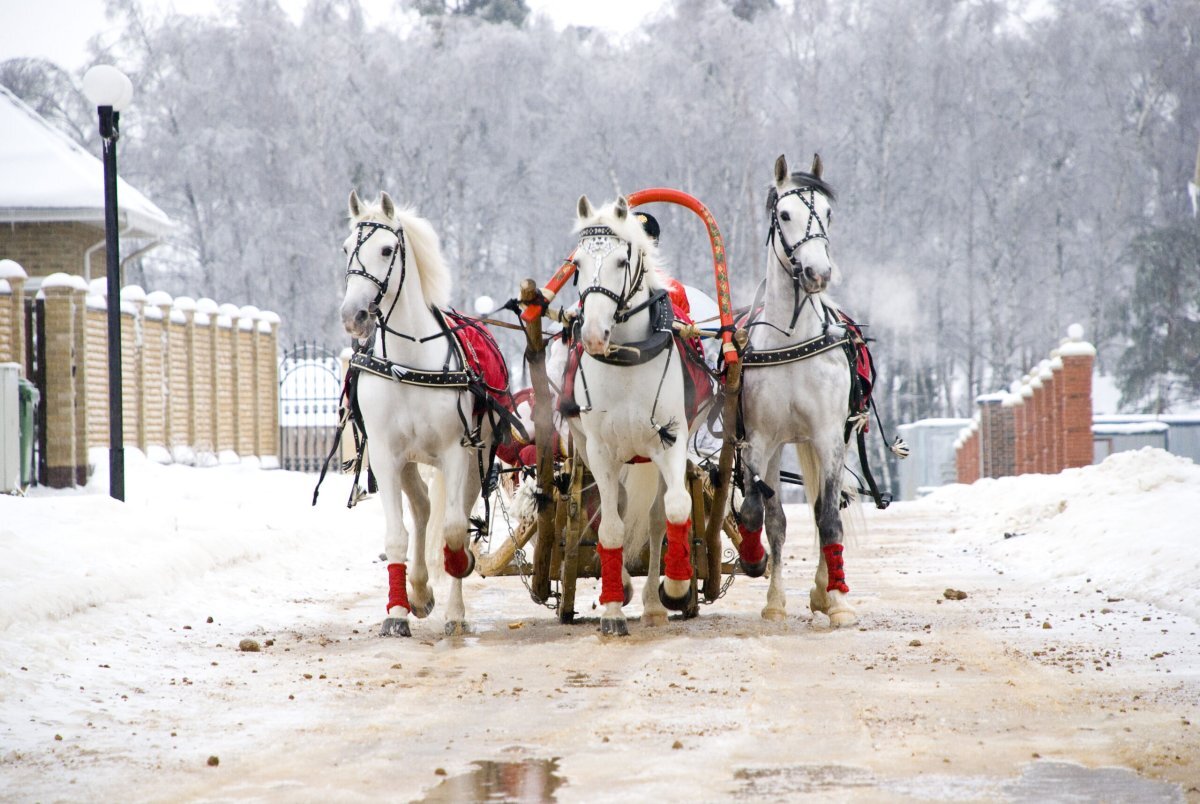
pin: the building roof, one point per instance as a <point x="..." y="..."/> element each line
<point x="46" y="177"/>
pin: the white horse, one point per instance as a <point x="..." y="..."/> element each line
<point x="416" y="406"/>
<point x="630" y="390"/>
<point x="796" y="390"/>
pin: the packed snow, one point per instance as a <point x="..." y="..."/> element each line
<point x="120" y="668"/>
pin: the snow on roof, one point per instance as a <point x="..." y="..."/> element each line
<point x="45" y="177"/>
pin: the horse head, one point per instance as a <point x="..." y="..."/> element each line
<point x="800" y="208"/>
<point x="389" y="251"/>
<point x="375" y="262"/>
<point x="616" y="262"/>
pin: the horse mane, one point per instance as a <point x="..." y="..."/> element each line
<point x="801" y="179"/>
<point x="424" y="251"/>
<point x="630" y="230"/>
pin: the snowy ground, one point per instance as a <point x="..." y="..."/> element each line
<point x="1072" y="666"/>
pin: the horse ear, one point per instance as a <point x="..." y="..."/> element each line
<point x="389" y="208"/>
<point x="781" y="169"/>
<point x="817" y="166"/>
<point x="622" y="208"/>
<point x="355" y="204"/>
<point x="584" y="208"/>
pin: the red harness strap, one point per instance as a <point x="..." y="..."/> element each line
<point x="837" y="568"/>
<point x="678" y="563"/>
<point x="397" y="587"/>
<point x="612" y="588"/>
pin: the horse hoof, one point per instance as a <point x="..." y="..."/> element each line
<point x="685" y="603"/>
<point x="755" y="570"/>
<point x="395" y="627"/>
<point x="456" y="627"/>
<point x="614" y="626"/>
<point x="774" y="614"/>
<point x="423" y="610"/>
<point x="842" y="618"/>
<point x="818" y="600"/>
<point x="654" y="619"/>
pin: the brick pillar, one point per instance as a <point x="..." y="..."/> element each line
<point x="15" y="276"/>
<point x="267" y="367"/>
<point x="1077" y="356"/>
<point x="1021" y="415"/>
<point x="1005" y="462"/>
<point x="81" y="382"/>
<point x="989" y="441"/>
<point x="158" y="382"/>
<point x="59" y="293"/>
<point x="1056" y="368"/>
<point x="1050" y="418"/>
<point x="133" y="370"/>
<point x="186" y="307"/>
<point x="1037" y="422"/>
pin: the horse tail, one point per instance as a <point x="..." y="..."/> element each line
<point x="434" y="540"/>
<point x="812" y="469"/>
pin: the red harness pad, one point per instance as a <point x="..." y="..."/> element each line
<point x="483" y="357"/>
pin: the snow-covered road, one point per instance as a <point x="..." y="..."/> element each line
<point x="121" y="674"/>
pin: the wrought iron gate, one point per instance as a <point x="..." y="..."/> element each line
<point x="310" y="385"/>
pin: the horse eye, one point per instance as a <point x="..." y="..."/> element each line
<point x="829" y="217"/>
<point x="623" y="263"/>
<point x="785" y="216"/>
<point x="387" y="251"/>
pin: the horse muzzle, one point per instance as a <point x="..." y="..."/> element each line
<point x="595" y="339"/>
<point x="359" y="322"/>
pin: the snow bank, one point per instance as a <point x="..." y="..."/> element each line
<point x="1131" y="524"/>
<point x="65" y="551"/>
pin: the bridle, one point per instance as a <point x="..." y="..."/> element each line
<point x="364" y="230"/>
<point x="598" y="242"/>
<point x="793" y="267"/>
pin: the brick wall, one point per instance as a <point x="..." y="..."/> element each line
<point x="178" y="378"/>
<point x="1043" y="424"/>
<point x="47" y="248"/>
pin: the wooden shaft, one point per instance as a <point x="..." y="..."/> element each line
<point x="495" y="562"/>
<point x="733" y="389"/>
<point x="545" y="436"/>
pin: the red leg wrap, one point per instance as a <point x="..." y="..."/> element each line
<point x="751" y="549"/>
<point x="612" y="588"/>
<point x="397" y="586"/>
<point x="455" y="562"/>
<point x="837" y="568"/>
<point x="678" y="563"/>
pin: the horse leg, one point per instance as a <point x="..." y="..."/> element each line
<point x="460" y="561"/>
<point x="776" y="523"/>
<point x="653" y="611"/>
<point x="421" y="598"/>
<point x="395" y="547"/>
<point x="676" y="591"/>
<point x="611" y="537"/>
<point x="751" y="556"/>
<point x="829" y="591"/>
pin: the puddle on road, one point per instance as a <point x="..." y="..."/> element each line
<point x="530" y="781"/>
<point x="1040" y="782"/>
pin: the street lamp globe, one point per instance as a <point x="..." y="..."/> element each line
<point x="105" y="85"/>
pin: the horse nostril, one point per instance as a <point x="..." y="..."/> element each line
<point x="360" y="317"/>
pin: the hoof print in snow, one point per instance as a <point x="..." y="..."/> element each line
<point x="395" y="627"/>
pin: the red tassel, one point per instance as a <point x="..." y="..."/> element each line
<point x="678" y="563"/>
<point x="612" y="588"/>
<point x="455" y="562"/>
<point x="751" y="549"/>
<point x="397" y="586"/>
<point x="837" y="568"/>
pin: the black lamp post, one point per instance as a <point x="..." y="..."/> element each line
<point x="111" y="91"/>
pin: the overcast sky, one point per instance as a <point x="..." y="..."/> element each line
<point x="59" y="29"/>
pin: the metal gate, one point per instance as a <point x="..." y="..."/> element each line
<point x="35" y="371"/>
<point x="310" y="385"/>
